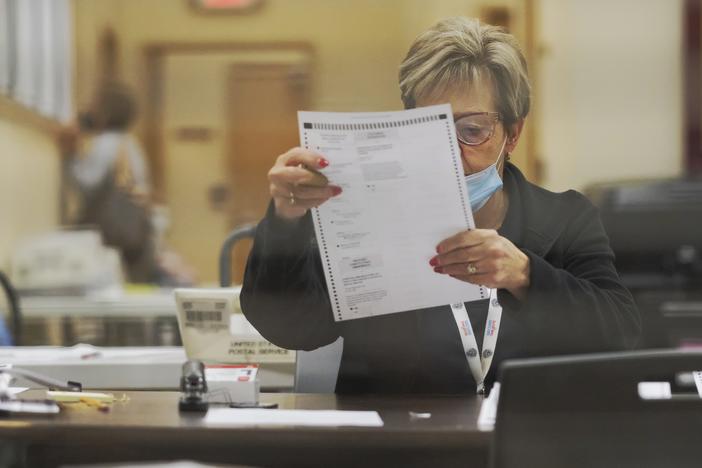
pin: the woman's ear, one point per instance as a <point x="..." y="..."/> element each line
<point x="514" y="131"/>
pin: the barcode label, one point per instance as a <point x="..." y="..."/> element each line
<point x="203" y="316"/>
<point x="206" y="315"/>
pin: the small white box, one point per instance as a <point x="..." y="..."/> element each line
<point x="214" y="330"/>
<point x="232" y="383"/>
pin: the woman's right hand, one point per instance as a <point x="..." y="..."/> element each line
<point x="296" y="184"/>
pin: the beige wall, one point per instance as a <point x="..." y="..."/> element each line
<point x="355" y="70"/>
<point x="90" y="20"/>
<point x="359" y="43"/>
<point x="610" y="92"/>
<point x="29" y="177"/>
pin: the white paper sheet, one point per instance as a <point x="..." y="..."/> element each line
<point x="85" y="353"/>
<point x="655" y="391"/>
<point x="268" y="417"/>
<point x="403" y="193"/>
<point x="697" y="376"/>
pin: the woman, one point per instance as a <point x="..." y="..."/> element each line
<point x="545" y="253"/>
<point x="107" y="166"/>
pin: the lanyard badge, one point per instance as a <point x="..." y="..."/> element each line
<point x="479" y="362"/>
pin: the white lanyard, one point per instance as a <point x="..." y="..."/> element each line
<point x="479" y="363"/>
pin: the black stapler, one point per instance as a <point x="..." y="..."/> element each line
<point x="194" y="387"/>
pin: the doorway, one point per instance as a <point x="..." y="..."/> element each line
<point x="263" y="100"/>
<point x="219" y="119"/>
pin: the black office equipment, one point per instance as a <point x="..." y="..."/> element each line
<point x="655" y="230"/>
<point x="194" y="387"/>
<point x="15" y="312"/>
<point x="585" y="411"/>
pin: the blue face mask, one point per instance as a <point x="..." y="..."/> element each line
<point x="483" y="185"/>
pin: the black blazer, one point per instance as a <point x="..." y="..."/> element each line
<point x="575" y="302"/>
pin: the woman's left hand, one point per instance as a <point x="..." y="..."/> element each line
<point x="482" y="256"/>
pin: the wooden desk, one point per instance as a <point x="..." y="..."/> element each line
<point x="149" y="427"/>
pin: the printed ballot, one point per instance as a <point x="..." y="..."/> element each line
<point x="403" y="193"/>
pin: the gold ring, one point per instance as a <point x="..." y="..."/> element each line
<point x="471" y="269"/>
<point x="292" y="198"/>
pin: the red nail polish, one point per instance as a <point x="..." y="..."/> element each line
<point x="438" y="269"/>
<point x="336" y="191"/>
<point x="433" y="261"/>
<point x="323" y="163"/>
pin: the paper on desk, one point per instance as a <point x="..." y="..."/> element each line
<point x="268" y="417"/>
<point x="85" y="353"/>
<point x="403" y="192"/>
<point x="488" y="410"/>
<point x="34" y="354"/>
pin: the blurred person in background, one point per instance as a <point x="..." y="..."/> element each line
<point x="545" y="253"/>
<point x="106" y="164"/>
<point x="9" y="294"/>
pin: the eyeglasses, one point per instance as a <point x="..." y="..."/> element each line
<point x="476" y="128"/>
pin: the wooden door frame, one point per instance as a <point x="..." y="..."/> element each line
<point x="692" y="86"/>
<point x="503" y="15"/>
<point x="534" y="162"/>
<point x="154" y="55"/>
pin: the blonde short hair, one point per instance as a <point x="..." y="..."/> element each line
<point x="459" y="51"/>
